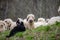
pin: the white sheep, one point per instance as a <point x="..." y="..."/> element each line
<point x="13" y="25"/>
<point x="10" y="23"/>
<point x="29" y="21"/>
<point x="47" y="20"/>
<point x="59" y="9"/>
<point x="2" y="26"/>
<point x="53" y="20"/>
<point x="40" y="22"/>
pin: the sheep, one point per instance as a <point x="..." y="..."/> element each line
<point x="59" y="9"/>
<point x="47" y="20"/>
<point x="19" y="28"/>
<point x="25" y="23"/>
<point x="13" y="25"/>
<point x="29" y="21"/>
<point x="10" y="24"/>
<point x="19" y="20"/>
<point x="40" y="22"/>
<point x="2" y="26"/>
<point x="25" y="20"/>
<point x="53" y="20"/>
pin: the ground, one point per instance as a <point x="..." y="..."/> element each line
<point x="50" y="32"/>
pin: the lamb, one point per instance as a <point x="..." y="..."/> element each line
<point x="53" y="20"/>
<point x="59" y="9"/>
<point x="2" y="26"/>
<point x="8" y="21"/>
<point x="13" y="25"/>
<point x="10" y="24"/>
<point x="19" y="28"/>
<point x="47" y="20"/>
<point x="40" y="22"/>
<point x="29" y="21"/>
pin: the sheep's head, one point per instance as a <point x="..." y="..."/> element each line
<point x="59" y="9"/>
<point x="2" y="26"/>
<point x="30" y="18"/>
<point x="19" y="21"/>
<point x="41" y="20"/>
<point x="8" y="22"/>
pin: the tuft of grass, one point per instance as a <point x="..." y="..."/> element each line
<point x="49" y="32"/>
<point x="19" y="34"/>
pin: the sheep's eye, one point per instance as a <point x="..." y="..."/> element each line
<point x="1" y="26"/>
<point x="28" y="18"/>
<point x="5" y="21"/>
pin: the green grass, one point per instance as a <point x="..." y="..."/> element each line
<point x="49" y="32"/>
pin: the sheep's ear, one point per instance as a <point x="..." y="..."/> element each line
<point x="17" y="22"/>
<point x="22" y="23"/>
<point x="27" y="19"/>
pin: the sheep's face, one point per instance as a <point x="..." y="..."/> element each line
<point x="8" y="23"/>
<point x="2" y="26"/>
<point x="30" y="18"/>
<point x="19" y="21"/>
<point x="59" y="9"/>
<point x="41" y="20"/>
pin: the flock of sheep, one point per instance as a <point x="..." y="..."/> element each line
<point x="27" y="23"/>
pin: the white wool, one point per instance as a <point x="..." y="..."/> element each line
<point x="20" y="19"/>
<point x="25" y="20"/>
<point x="30" y="15"/>
<point x="10" y="23"/>
<point x="47" y="20"/>
<point x="27" y="23"/>
<point x="38" y="24"/>
<point x="9" y="20"/>
<point x="53" y="20"/>
<point x="13" y="25"/>
<point x="2" y="26"/>
<point x="41" y="20"/>
<point x="59" y="9"/>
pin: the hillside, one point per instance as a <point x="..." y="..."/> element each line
<point x="50" y="32"/>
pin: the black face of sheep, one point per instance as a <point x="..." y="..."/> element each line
<point x="19" y="28"/>
<point x="17" y="22"/>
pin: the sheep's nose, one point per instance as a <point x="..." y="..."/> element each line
<point x="31" y="21"/>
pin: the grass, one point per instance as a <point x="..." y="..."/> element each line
<point x="49" y="32"/>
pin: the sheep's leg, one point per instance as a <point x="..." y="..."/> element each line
<point x="12" y="33"/>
